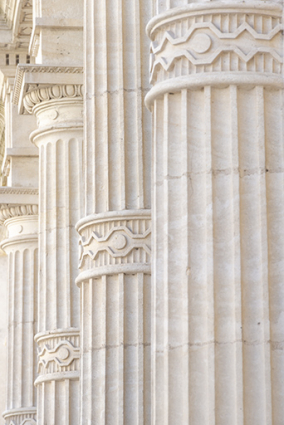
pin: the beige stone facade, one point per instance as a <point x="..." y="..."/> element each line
<point x="141" y="212"/>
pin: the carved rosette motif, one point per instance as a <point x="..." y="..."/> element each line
<point x="58" y="355"/>
<point x="216" y="39"/>
<point x="114" y="242"/>
<point x="37" y="95"/>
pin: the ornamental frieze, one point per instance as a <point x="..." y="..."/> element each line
<point x="115" y="241"/>
<point x="218" y="39"/>
<point x="58" y="352"/>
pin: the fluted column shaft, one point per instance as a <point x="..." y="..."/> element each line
<point x="115" y="234"/>
<point x="218" y="164"/>
<point x="21" y="247"/>
<point x="59" y="111"/>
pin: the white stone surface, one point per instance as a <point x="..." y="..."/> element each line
<point x="21" y="247"/>
<point x="3" y="333"/>
<point x="115" y="234"/>
<point x="218" y="160"/>
<point x="19" y="235"/>
<point x="199" y="342"/>
<point x="59" y="112"/>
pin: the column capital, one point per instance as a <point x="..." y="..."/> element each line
<point x="8" y="211"/>
<point x="35" y="84"/>
<point x="40" y="93"/>
<point x="18" y="214"/>
<point x="216" y="44"/>
<point x="21" y="222"/>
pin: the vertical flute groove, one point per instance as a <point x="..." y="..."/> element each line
<point x="166" y="271"/>
<point x="185" y="157"/>
<point x="70" y="173"/>
<point x="210" y="290"/>
<point x="236" y="251"/>
<point x="121" y="122"/>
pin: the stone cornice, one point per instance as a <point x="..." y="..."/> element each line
<point x="34" y="78"/>
<point x="10" y="211"/>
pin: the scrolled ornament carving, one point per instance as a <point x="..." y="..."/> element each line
<point x="38" y="95"/>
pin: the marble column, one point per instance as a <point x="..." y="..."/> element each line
<point x="59" y="112"/>
<point x="115" y="233"/>
<point x="218" y="223"/>
<point x="21" y="247"/>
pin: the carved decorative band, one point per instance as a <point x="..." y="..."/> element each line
<point x="21" y="416"/>
<point x="11" y="211"/>
<point x="216" y="39"/>
<point x="58" y="354"/>
<point x="38" y="95"/>
<point x="115" y="240"/>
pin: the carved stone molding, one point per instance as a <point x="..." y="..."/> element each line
<point x="18" y="191"/>
<point x="39" y="74"/>
<point x="22" y="416"/>
<point x="223" y="40"/>
<point x="10" y="211"/>
<point x="114" y="242"/>
<point x="37" y="95"/>
<point x="58" y="355"/>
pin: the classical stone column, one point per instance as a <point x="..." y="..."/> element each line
<point x="59" y="112"/>
<point x="218" y="223"/>
<point x="21" y="247"/>
<point x="115" y="234"/>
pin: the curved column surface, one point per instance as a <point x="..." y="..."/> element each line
<point x="115" y="233"/>
<point x="59" y="111"/>
<point x="115" y="328"/>
<point x="21" y="247"/>
<point x="218" y="198"/>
